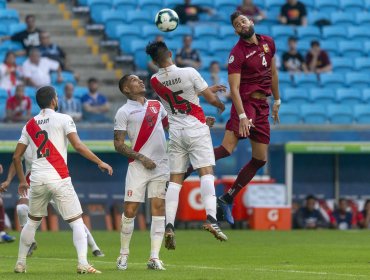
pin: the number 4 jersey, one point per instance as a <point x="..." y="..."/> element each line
<point x="178" y="89"/>
<point x="46" y="134"/>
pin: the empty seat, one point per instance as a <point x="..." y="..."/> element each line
<point x="290" y="114"/>
<point x="17" y="27"/>
<point x="262" y="29"/>
<point x="111" y="19"/>
<point x="327" y="6"/>
<point x="332" y="80"/>
<point x="305" y="80"/>
<point x="362" y="113"/>
<point x="285" y="80"/>
<point x="310" y="4"/>
<point x="68" y="77"/>
<point x="205" y="3"/>
<point x="172" y="3"/>
<point x="273" y="5"/>
<point x="308" y="33"/>
<point x="180" y="32"/>
<point x="9" y="16"/>
<point x="139" y="17"/>
<point x="205" y="32"/>
<point x="349" y="96"/>
<point x="282" y="32"/>
<point x="97" y="7"/>
<point x="367" y="47"/>
<point x="358" y="80"/>
<point x="314" y="114"/>
<point x="150" y="31"/>
<point x="363" y="18"/>
<point x="227" y="32"/>
<point x="359" y="33"/>
<point x="340" y="114"/>
<point x="129" y="31"/>
<point x="334" y="33"/>
<point x="351" y="49"/>
<point x="137" y="46"/>
<point x="150" y="5"/>
<point x="219" y="48"/>
<point x="209" y="110"/>
<point x="141" y="59"/>
<point x="227" y="4"/>
<point x="80" y="91"/>
<point x="303" y="46"/>
<point x="362" y="64"/>
<point x="206" y="61"/>
<point x="366" y="95"/>
<point x="296" y="96"/>
<point x="331" y="46"/>
<point x="342" y="64"/>
<point x="343" y="19"/>
<point x="314" y="17"/>
<point x="323" y="96"/>
<point x="204" y="46"/>
<point x="124" y="5"/>
<point x="174" y="45"/>
<point x="271" y="18"/>
<point x="352" y="6"/>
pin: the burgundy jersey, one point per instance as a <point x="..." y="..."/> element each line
<point x="253" y="63"/>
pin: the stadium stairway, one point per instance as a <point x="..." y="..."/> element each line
<point x="82" y="51"/>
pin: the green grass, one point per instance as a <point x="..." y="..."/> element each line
<point x="247" y="255"/>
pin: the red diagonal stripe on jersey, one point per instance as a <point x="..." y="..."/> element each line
<point x="148" y="125"/>
<point x="28" y="178"/>
<point x="55" y="158"/>
<point x="163" y="91"/>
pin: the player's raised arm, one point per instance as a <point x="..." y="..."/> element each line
<point x="122" y="148"/>
<point x="11" y="173"/>
<point x="275" y="91"/>
<point x="81" y="148"/>
<point x="17" y="160"/>
<point x="211" y="97"/>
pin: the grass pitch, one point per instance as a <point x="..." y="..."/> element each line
<point x="247" y="255"/>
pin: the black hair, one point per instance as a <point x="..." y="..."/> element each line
<point x="315" y="43"/>
<point x="157" y="51"/>
<point x="30" y="16"/>
<point x="92" y="80"/>
<point x="341" y="200"/>
<point x="292" y="38"/>
<point x="7" y="55"/>
<point x="310" y="196"/>
<point x="234" y="15"/>
<point x="122" y="82"/>
<point x="44" y="96"/>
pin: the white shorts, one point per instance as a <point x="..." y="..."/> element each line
<point x="138" y="179"/>
<point x="194" y="145"/>
<point x="63" y="194"/>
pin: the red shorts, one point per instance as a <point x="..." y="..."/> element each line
<point x="258" y="110"/>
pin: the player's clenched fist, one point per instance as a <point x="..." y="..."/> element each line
<point x="23" y="188"/>
<point x="148" y="163"/>
<point x="104" y="167"/>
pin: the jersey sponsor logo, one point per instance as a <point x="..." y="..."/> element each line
<point x="231" y="59"/>
<point x="172" y="82"/>
<point x="266" y="48"/>
<point x="250" y="54"/>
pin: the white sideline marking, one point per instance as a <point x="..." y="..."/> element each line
<point x="213" y="268"/>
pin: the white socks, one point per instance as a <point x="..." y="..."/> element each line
<point x="156" y="235"/>
<point x="172" y="202"/>
<point x="27" y="237"/>
<point x="127" y="227"/>
<point x="22" y="212"/>
<point x="207" y="189"/>
<point x="80" y="240"/>
<point x="90" y="240"/>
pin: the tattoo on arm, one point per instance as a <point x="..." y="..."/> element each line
<point x="122" y="148"/>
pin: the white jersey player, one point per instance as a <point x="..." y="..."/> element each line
<point x="143" y="121"/>
<point x="48" y="135"/>
<point x="22" y="205"/>
<point x="190" y="138"/>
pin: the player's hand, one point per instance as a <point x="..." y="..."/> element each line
<point x="245" y="125"/>
<point x="4" y="186"/>
<point x="210" y="121"/>
<point x="221" y="108"/>
<point x="218" y="88"/>
<point x="23" y="189"/>
<point x="275" y="113"/>
<point x="148" y="163"/>
<point x="104" y="167"/>
<point x="1" y="169"/>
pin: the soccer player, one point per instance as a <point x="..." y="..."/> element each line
<point x="253" y="78"/>
<point x="190" y="138"/>
<point x="48" y="135"/>
<point x="22" y="206"/>
<point x="143" y="121"/>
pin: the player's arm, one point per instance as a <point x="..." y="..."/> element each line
<point x="81" y="148"/>
<point x="245" y="123"/>
<point x="11" y="173"/>
<point x="211" y="97"/>
<point x="275" y="91"/>
<point x="17" y="160"/>
<point x="121" y="147"/>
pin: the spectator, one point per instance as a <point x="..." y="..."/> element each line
<point x="293" y="13"/>
<point x="9" y="72"/>
<point x="94" y="104"/>
<point x="52" y="50"/>
<point x="364" y="221"/>
<point x="29" y="38"/>
<point x="317" y="60"/>
<point x="18" y="107"/>
<point x="70" y="105"/>
<point x="190" y="13"/>
<point x="217" y="79"/>
<point x="308" y="217"/>
<point x="187" y="56"/>
<point x="251" y="11"/>
<point x="36" y="69"/>
<point x="342" y="217"/>
<point x="293" y="61"/>
<point x="152" y="68"/>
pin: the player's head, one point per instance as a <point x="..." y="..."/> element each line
<point x="310" y="202"/>
<point x="132" y="86"/>
<point x="342" y="204"/>
<point x="47" y="98"/>
<point x="243" y="26"/>
<point x="160" y="54"/>
<point x="30" y="21"/>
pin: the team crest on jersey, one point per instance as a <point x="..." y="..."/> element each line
<point x="231" y="59"/>
<point x="154" y="109"/>
<point x="129" y="193"/>
<point x="266" y="48"/>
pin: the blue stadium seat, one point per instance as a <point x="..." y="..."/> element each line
<point x="174" y="45"/>
<point x="150" y="5"/>
<point x="367" y="4"/>
<point x="332" y="80"/>
<point x="97" y="7"/>
<point x="209" y="110"/>
<point x="137" y="46"/>
<point x="303" y="46"/>
<point x="11" y="46"/>
<point x="219" y="48"/>
<point x="327" y="6"/>
<point x="227" y="4"/>
<point x="367" y="48"/>
<point x="362" y="64"/>
<point x="285" y="80"/>
<point x="82" y="2"/>
<point x="282" y="32"/>
<point x="204" y="3"/>
<point x="141" y="59"/>
<point x="308" y="33"/>
<point x="352" y="6"/>
<point x="296" y="96"/>
<point x="312" y="18"/>
<point x="366" y="95"/>
<point x="350" y="49"/>
<point x="310" y="4"/>
<point x="80" y="91"/>
<point x="124" y="5"/>
<point x="262" y="29"/>
<point x="150" y="31"/>
<point x="349" y="96"/>
<point x="314" y="114"/>
<point x="342" y="64"/>
<point x="9" y="16"/>
<point x="4" y="30"/>
<point x="206" y="61"/>
<point x="271" y="18"/>
<point x="111" y="19"/>
<point x="180" y="32"/>
<point x="202" y="46"/>
<point x="273" y="5"/>
<point x="127" y="31"/>
<point x="35" y="110"/>
<point x="363" y="18"/>
<point x="139" y="17"/>
<point x="17" y="27"/>
<point x="19" y="60"/>
<point x="227" y="32"/>
<point x="68" y="77"/>
<point x="331" y="46"/>
<point x="362" y="113"/>
<point x="172" y="3"/>
<point x="290" y="114"/>
<point x="206" y="32"/>
<point x="3" y="4"/>
<point x="323" y="96"/>
<point x="305" y="80"/>
<point x="358" y="80"/>
<point x="340" y="114"/>
<point x="359" y="33"/>
<point x="281" y="45"/>
<point x="343" y="19"/>
<point x="334" y="33"/>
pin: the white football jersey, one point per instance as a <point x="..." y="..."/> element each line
<point x="46" y="135"/>
<point x="178" y="89"/>
<point x="143" y="124"/>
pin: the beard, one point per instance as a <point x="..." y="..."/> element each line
<point x="247" y="34"/>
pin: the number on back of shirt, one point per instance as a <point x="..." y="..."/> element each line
<point x="264" y="62"/>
